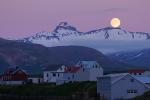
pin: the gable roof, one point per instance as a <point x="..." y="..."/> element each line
<point x="20" y="70"/>
<point x="136" y="71"/>
<point x="117" y="77"/>
<point x="144" y="79"/>
<point x="72" y="69"/>
<point x="14" y="70"/>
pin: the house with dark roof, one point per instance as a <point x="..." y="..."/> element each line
<point x="51" y="75"/>
<point x="121" y="86"/>
<point x="14" y="76"/>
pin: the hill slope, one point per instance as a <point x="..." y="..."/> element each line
<point x="35" y="57"/>
<point x="139" y="58"/>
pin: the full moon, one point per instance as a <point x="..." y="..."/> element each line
<point x="115" y="22"/>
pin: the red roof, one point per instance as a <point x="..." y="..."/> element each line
<point x="137" y="71"/>
<point x="72" y="69"/>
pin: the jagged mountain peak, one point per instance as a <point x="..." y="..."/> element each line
<point x="65" y="33"/>
<point x="64" y="26"/>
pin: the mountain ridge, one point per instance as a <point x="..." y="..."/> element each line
<point x="65" y="32"/>
<point x="35" y="57"/>
<point x="137" y="58"/>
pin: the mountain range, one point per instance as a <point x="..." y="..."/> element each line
<point x="107" y="39"/>
<point x="139" y="58"/>
<point x="35" y="57"/>
<point x="65" y="31"/>
<point x="66" y="45"/>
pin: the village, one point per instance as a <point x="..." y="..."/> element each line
<point x="112" y="86"/>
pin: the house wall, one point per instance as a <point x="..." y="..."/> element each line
<point x="94" y="73"/>
<point x="82" y="75"/>
<point x="18" y="76"/>
<point x="48" y="76"/>
<point x="12" y="82"/>
<point x="146" y="73"/>
<point x="120" y="88"/>
<point x="36" y="80"/>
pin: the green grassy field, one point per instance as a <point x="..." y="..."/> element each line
<point x="67" y="89"/>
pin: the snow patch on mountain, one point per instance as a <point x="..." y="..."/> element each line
<point x="65" y="34"/>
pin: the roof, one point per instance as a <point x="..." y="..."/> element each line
<point x="19" y="70"/>
<point x="72" y="69"/>
<point x="87" y="64"/>
<point x="116" y="77"/>
<point x="136" y="71"/>
<point x="14" y="70"/>
<point x="144" y="79"/>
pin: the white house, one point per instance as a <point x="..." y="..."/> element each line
<point x="82" y="71"/>
<point x="120" y="86"/>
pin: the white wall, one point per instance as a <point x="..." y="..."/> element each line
<point x="104" y="87"/>
<point x="11" y="82"/>
<point x="36" y="80"/>
<point x="50" y="78"/>
<point x="119" y="89"/>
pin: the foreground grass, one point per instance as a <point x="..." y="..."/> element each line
<point x="67" y="89"/>
<point x="145" y="96"/>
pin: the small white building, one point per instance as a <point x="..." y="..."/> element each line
<point x="50" y="76"/>
<point x="120" y="86"/>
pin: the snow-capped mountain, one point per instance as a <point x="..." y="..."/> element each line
<point x="64" y="34"/>
<point x="65" y="31"/>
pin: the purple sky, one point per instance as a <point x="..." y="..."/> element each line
<point x="21" y="18"/>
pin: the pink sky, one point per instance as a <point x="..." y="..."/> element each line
<point x="21" y="18"/>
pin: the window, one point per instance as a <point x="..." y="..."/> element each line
<point x="47" y="75"/>
<point x="73" y="76"/>
<point x="131" y="91"/>
<point x="96" y="66"/>
<point x="54" y="74"/>
<point x="83" y="69"/>
<point x="140" y="73"/>
<point x="68" y="78"/>
<point x="58" y="74"/>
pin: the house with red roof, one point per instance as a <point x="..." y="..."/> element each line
<point x="139" y="72"/>
<point x="82" y="71"/>
<point x="136" y="71"/>
<point x="14" y="76"/>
